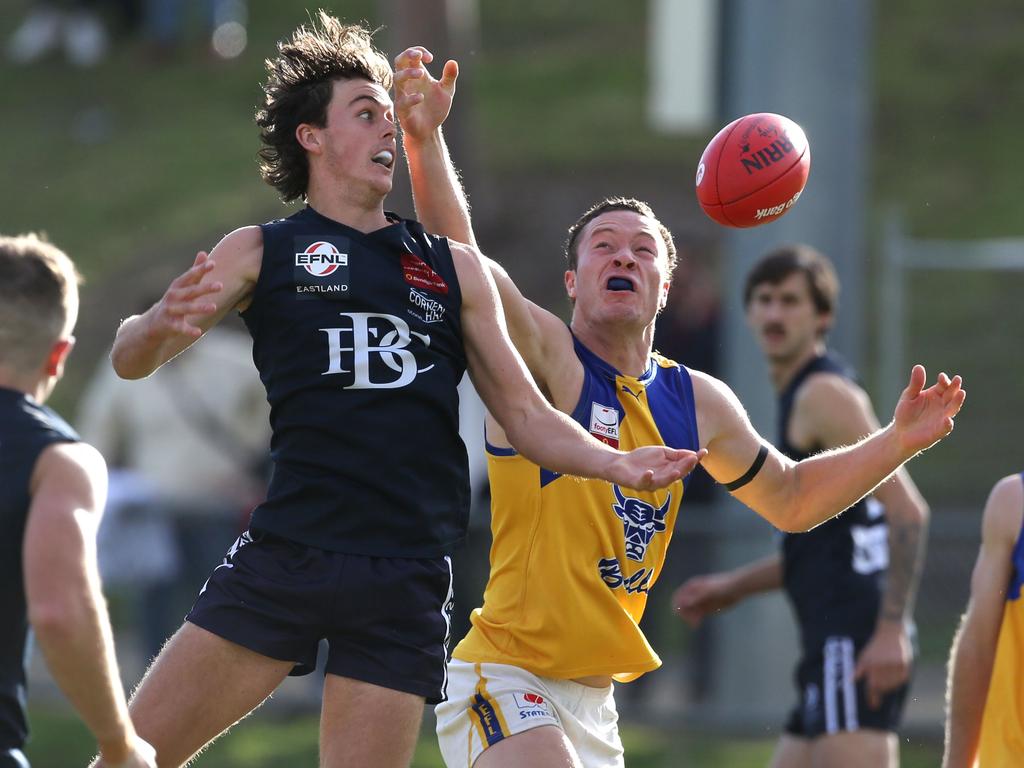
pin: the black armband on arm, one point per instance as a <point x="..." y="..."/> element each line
<point x="750" y="473"/>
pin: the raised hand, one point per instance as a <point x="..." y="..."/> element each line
<point x="702" y="595"/>
<point x="186" y="298"/>
<point x="422" y="103"/>
<point x="925" y="416"/>
<point x="655" y="466"/>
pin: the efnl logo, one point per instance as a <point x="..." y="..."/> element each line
<point x="320" y="268"/>
<point x="321" y="259"/>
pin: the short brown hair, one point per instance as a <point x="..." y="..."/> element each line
<point x="38" y="299"/>
<point x="616" y="204"/>
<point x="300" y="81"/>
<point x="777" y="265"/>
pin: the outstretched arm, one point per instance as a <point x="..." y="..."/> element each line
<point x="539" y="432"/>
<point x="700" y="596"/>
<point x="192" y="304"/>
<point x="422" y="104"/>
<point x="974" y="647"/>
<point x="797" y="496"/>
<point x="65" y="605"/>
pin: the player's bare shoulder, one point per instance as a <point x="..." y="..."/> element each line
<point x="467" y="259"/>
<point x="1004" y="510"/>
<point x="75" y="469"/>
<point x="824" y="391"/>
<point x="242" y="249"/>
<point x="239" y="258"/>
<point x="829" y="410"/>
<point x="716" y="405"/>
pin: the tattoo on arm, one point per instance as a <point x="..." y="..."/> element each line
<point x="906" y="559"/>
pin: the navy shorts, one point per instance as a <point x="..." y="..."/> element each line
<point x="386" y="620"/>
<point x="831" y="701"/>
<point x="13" y="758"/>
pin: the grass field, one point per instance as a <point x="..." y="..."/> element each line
<point x="261" y="742"/>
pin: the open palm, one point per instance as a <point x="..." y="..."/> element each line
<point x="925" y="416"/>
<point x="422" y="102"/>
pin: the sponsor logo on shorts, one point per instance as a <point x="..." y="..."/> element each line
<point x="531" y="705"/>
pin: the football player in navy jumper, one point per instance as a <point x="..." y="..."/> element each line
<point x="852" y="581"/>
<point x="52" y="491"/>
<point x="362" y="326"/>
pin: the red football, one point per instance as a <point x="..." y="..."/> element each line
<point x="753" y="170"/>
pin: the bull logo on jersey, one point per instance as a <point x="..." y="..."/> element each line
<point x="379" y="355"/>
<point x="640" y="521"/>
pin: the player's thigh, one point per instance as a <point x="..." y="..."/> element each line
<point x="792" y="752"/>
<point x="866" y="748"/>
<point x="363" y="725"/>
<point x="542" y="747"/>
<point x="198" y="686"/>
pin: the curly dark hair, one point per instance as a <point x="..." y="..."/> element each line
<point x="616" y="204"/>
<point x="300" y="81"/>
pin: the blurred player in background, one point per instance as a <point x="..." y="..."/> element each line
<point x="853" y="580"/>
<point x="52" y="489"/>
<point x="985" y="711"/>
<point x="362" y="327"/>
<point x="572" y="562"/>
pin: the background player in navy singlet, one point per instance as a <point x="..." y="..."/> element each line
<point x="362" y="327"/>
<point x="617" y="277"/>
<point x="852" y="580"/>
<point x="52" y="491"/>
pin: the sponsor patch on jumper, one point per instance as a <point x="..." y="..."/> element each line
<point x="420" y="274"/>
<point x="321" y="269"/>
<point x="604" y="424"/>
<point x="425" y="308"/>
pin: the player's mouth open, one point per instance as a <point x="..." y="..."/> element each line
<point x="620" y="284"/>
<point x="385" y="157"/>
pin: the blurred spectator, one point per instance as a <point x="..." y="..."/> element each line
<point x="191" y="443"/>
<point x="223" y="20"/>
<point x="76" y="26"/>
